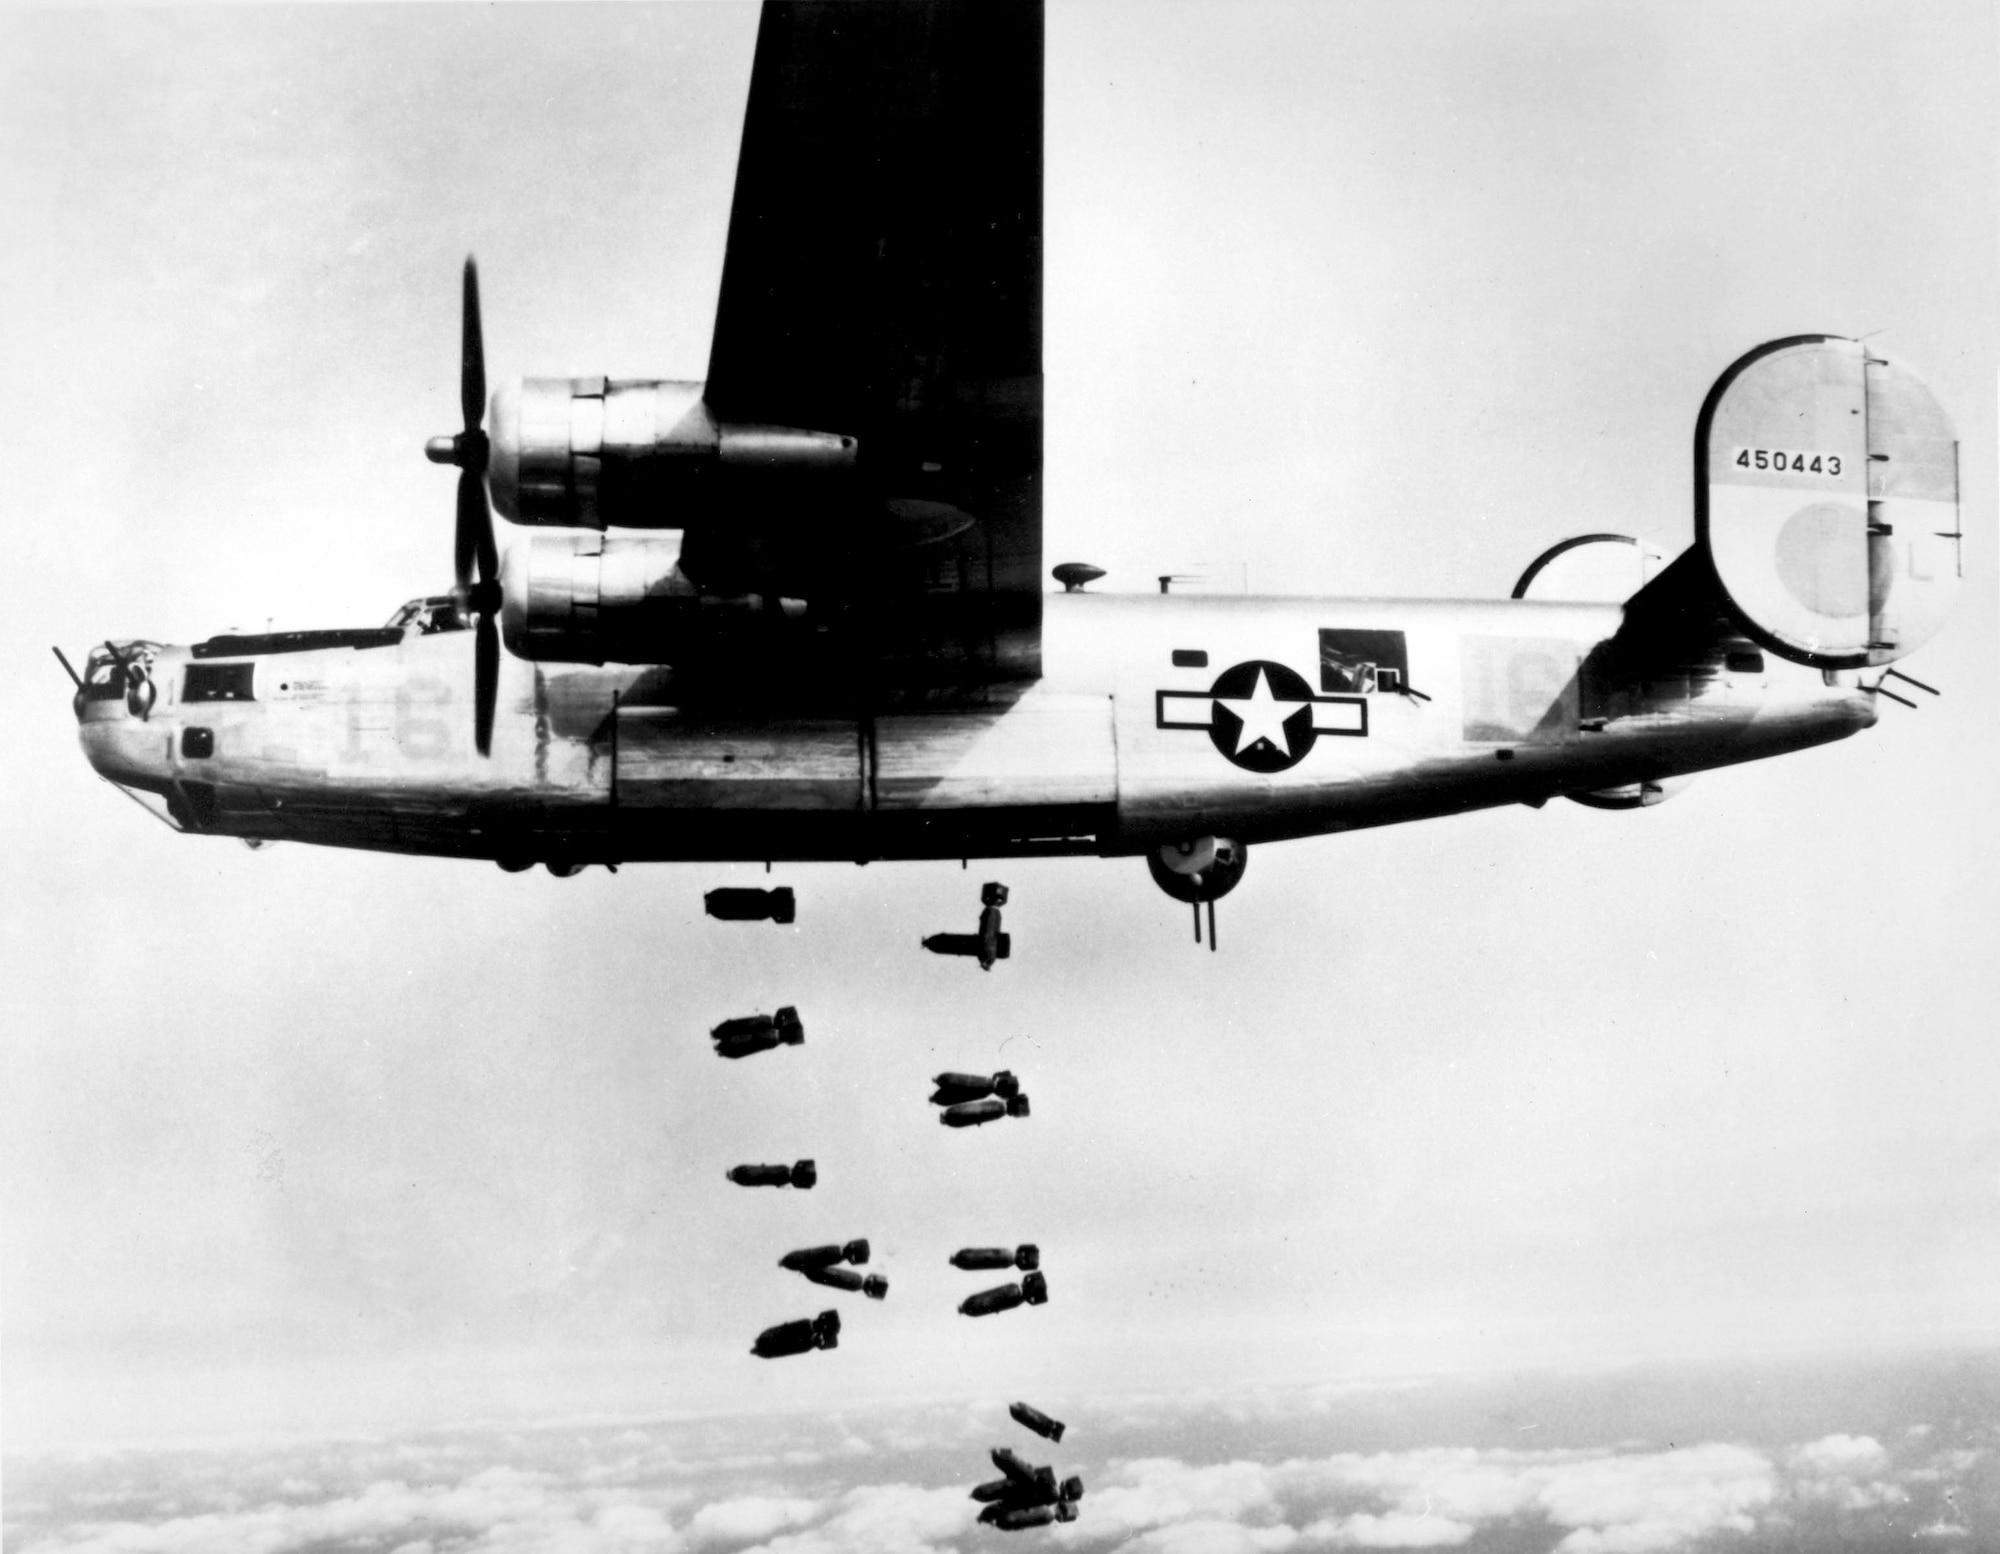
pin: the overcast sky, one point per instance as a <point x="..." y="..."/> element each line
<point x="1357" y="299"/>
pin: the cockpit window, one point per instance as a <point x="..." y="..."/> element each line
<point x="424" y="617"/>
<point x="218" y="682"/>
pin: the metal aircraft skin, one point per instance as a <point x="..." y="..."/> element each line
<point x="797" y="611"/>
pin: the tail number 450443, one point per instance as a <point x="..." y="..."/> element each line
<point x="1786" y="461"/>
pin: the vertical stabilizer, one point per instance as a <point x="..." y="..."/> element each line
<point x="1826" y="497"/>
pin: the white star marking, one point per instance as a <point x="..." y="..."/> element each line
<point x="1263" y="716"/>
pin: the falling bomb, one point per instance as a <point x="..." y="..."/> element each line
<point x="1027" y="1257"/>
<point x="802" y="1175"/>
<point x="800" y="1337"/>
<point x="1032" y="1291"/>
<point x="973" y="1114"/>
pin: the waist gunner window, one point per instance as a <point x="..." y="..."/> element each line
<point x="1360" y="663"/>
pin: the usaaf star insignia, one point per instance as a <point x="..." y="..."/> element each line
<point x="1262" y="716"/>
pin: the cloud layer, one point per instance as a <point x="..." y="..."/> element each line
<point x="1263" y="1474"/>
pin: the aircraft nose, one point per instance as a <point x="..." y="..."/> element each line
<point x="103" y="745"/>
<point x="114" y="700"/>
<point x="120" y="745"/>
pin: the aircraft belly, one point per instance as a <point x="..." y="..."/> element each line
<point x="664" y="760"/>
<point x="1044" y="750"/>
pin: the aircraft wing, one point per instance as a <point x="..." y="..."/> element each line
<point x="883" y="280"/>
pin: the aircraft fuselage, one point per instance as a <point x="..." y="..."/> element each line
<point x="1158" y="718"/>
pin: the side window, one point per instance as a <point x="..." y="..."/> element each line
<point x="218" y="682"/>
<point x="1358" y="663"/>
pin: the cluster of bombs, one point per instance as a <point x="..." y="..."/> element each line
<point x="1024" y="1495"/>
<point x="969" y="1100"/>
<point x="820" y="1264"/>
<point x="740" y="1038"/>
<point x="1033" y="1290"/>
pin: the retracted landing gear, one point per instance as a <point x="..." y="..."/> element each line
<point x="1199" y="872"/>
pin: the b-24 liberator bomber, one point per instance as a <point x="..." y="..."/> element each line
<point x="796" y="610"/>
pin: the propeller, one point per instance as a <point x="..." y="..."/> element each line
<point x="475" y="556"/>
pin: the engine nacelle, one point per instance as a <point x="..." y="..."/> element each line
<point x="591" y="452"/>
<point x="599" y="599"/>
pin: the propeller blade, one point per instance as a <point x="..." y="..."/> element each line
<point x="473" y="539"/>
<point x="475" y="554"/>
<point x="488" y="551"/>
<point x="485" y="680"/>
<point x="472" y="356"/>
